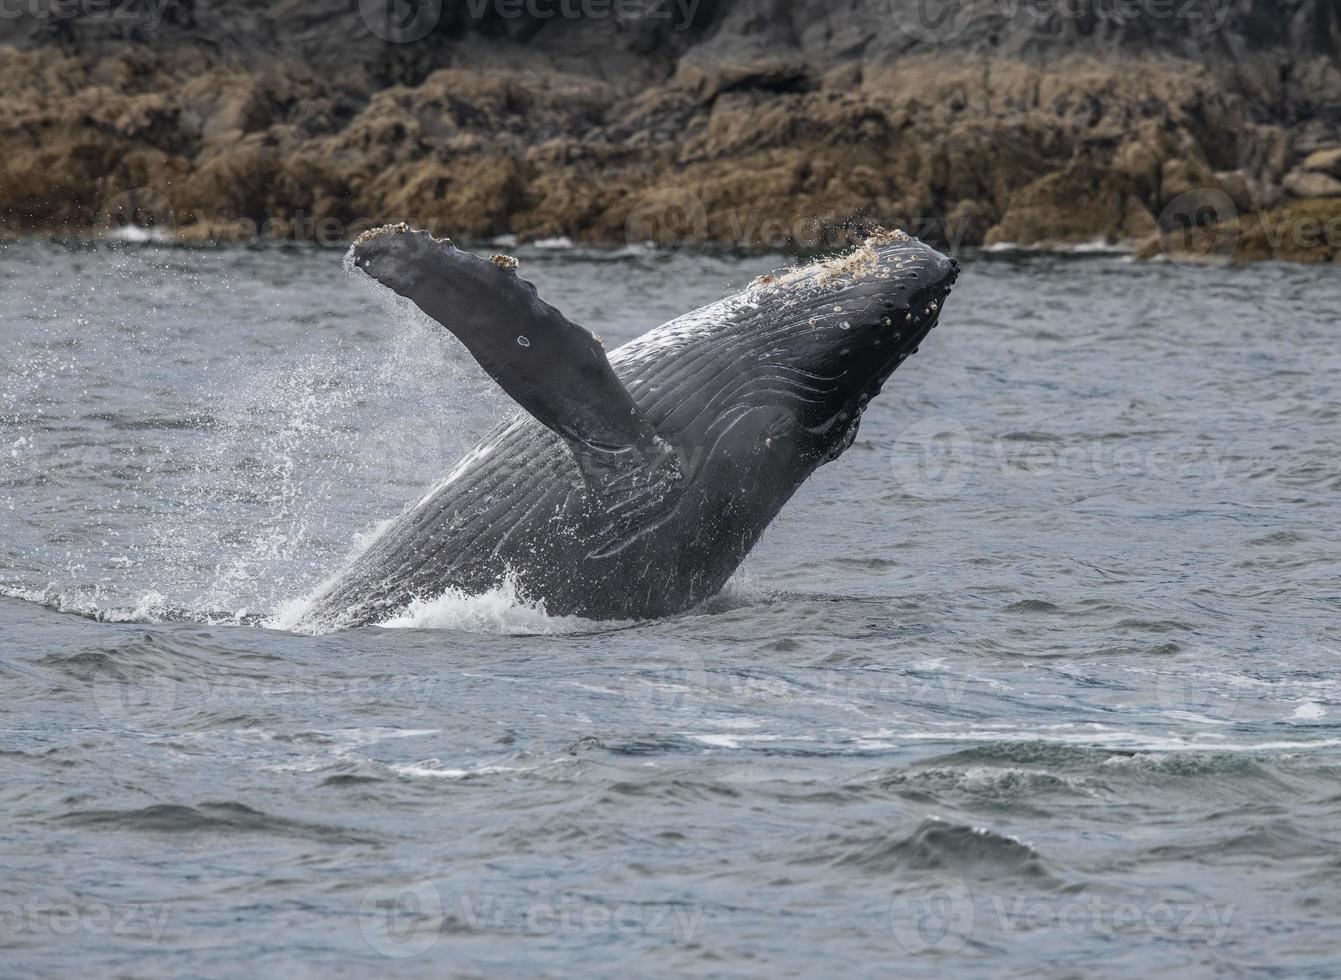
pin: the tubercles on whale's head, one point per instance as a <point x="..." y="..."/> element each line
<point x="848" y="322"/>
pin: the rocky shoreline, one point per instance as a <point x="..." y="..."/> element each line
<point x="753" y="123"/>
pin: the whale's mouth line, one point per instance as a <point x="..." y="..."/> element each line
<point x="848" y="417"/>
<point x="907" y="347"/>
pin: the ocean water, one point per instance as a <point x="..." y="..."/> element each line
<point x="1040" y="679"/>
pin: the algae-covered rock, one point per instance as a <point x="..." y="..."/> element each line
<point x="1069" y="205"/>
<point x="764" y="124"/>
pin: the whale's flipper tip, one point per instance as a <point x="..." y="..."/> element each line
<point x="550" y="366"/>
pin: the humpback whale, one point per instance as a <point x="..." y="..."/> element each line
<point x="631" y="486"/>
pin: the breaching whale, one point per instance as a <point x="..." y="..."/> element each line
<point x="632" y="486"/>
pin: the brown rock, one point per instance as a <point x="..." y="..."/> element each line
<point x="1075" y="205"/>
<point x="1301" y="231"/>
<point x="1326" y="161"/>
<point x="707" y="79"/>
<point x="1140" y="159"/>
<point x="1179" y="177"/>
<point x="1242" y="188"/>
<point x="787" y="124"/>
<point x="1304" y="183"/>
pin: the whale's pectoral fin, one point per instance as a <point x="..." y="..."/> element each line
<point x="550" y="366"/>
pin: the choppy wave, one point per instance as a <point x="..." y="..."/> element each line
<point x="224" y="818"/>
<point x="149" y="608"/>
<point x="936" y="845"/>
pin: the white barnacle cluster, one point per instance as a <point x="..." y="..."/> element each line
<point x="888" y="237"/>
<point x="862" y="261"/>
<point x="399" y="228"/>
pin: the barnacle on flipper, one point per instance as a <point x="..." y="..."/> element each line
<point x="504" y="261"/>
<point x="400" y="228"/>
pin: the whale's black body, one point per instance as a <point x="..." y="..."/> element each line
<point x="637" y="484"/>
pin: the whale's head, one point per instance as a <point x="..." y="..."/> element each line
<point x="836" y="330"/>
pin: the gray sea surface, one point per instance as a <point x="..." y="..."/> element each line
<point x="1040" y="679"/>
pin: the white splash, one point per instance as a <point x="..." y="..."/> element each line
<point x="502" y="610"/>
<point x="136" y="235"/>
